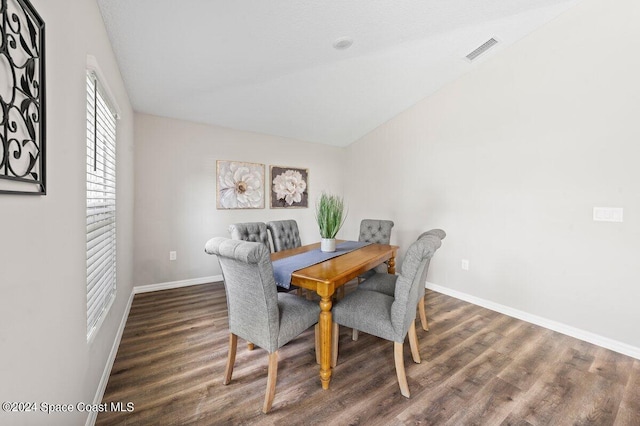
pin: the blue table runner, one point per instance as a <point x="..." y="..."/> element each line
<point x="283" y="268"/>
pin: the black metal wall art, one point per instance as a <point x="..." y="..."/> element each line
<point x="22" y="99"/>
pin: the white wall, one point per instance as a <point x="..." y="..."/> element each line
<point x="44" y="354"/>
<point x="175" y="208"/>
<point x="511" y="159"/>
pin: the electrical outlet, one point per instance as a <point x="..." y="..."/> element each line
<point x="464" y="264"/>
<point x="173" y="255"/>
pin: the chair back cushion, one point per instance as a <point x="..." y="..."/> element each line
<point x="434" y="233"/>
<point x="250" y="231"/>
<point x="251" y="290"/>
<point x="408" y="285"/>
<point x="375" y="231"/>
<point x="285" y="234"/>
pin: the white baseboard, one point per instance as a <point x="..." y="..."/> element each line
<point x="102" y="386"/>
<point x="176" y="284"/>
<point x="568" y="330"/>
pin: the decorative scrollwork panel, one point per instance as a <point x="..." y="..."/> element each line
<point x="22" y="99"/>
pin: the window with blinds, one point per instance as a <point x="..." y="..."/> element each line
<point x="101" y="204"/>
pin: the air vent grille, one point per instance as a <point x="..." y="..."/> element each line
<point x="483" y="48"/>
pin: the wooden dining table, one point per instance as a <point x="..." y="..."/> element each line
<point x="327" y="276"/>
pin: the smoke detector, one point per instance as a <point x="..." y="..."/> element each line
<point x="342" y="43"/>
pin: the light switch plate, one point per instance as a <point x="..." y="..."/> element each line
<point x="608" y="214"/>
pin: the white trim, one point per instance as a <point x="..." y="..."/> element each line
<point x="92" y="65"/>
<point x="176" y="284"/>
<point x="102" y="386"/>
<point x="94" y="330"/>
<point x="586" y="336"/>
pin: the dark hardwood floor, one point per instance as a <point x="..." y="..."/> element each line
<point x="478" y="367"/>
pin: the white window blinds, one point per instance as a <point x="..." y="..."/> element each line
<point x="101" y="204"/>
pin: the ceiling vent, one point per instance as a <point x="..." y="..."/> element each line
<point x="483" y="48"/>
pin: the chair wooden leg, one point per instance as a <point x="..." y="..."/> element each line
<point x="299" y="291"/>
<point x="317" y="333"/>
<point x="402" y="377"/>
<point x="335" y="334"/>
<point x="413" y="342"/>
<point x="231" y="358"/>
<point x="423" y="315"/>
<point x="250" y="346"/>
<point x="272" y="377"/>
<point x="354" y="334"/>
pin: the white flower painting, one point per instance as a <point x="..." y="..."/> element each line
<point x="240" y="185"/>
<point x="289" y="187"/>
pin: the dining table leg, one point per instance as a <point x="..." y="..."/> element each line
<point x="391" y="265"/>
<point x="325" y="335"/>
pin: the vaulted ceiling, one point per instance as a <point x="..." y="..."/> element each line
<point x="271" y="66"/>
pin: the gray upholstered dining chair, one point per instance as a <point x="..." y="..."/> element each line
<point x="375" y="231"/>
<point x="388" y="317"/>
<point x="250" y="231"/>
<point x="284" y="234"/>
<point x="257" y="312"/>
<point x="254" y="232"/>
<point x="385" y="283"/>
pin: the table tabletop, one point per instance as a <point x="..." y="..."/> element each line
<point x="338" y="270"/>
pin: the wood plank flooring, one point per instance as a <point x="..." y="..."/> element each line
<point x="478" y="367"/>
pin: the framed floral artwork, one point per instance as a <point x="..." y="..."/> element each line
<point x="289" y="187"/>
<point x="239" y="185"/>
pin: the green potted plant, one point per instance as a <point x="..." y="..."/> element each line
<point x="330" y="216"/>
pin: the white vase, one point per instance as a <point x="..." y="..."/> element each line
<point x="328" y="244"/>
